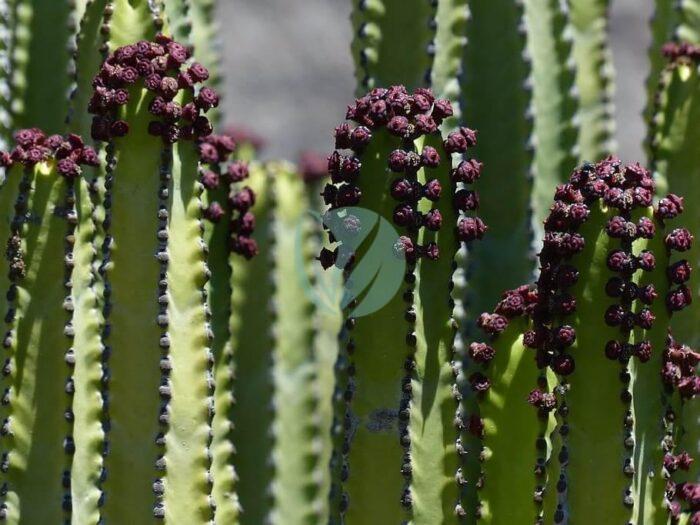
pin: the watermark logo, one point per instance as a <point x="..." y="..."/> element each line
<point x="373" y="246"/>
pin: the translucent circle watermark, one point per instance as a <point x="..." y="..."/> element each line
<point x="371" y="244"/>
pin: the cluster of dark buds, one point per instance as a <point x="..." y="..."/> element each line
<point x="675" y="51"/>
<point x="623" y="189"/>
<point x="679" y="370"/>
<point x="684" y="495"/>
<point x="33" y="146"/>
<point x="407" y="117"/>
<point x="519" y="302"/>
<point x="164" y="68"/>
<point x="215" y="152"/>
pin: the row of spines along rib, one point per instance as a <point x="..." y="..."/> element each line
<point x="674" y="160"/>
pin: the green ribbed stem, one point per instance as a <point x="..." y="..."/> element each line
<point x="505" y="413"/>
<point x="43" y="32"/>
<point x="594" y="78"/>
<point x="390" y="44"/>
<point x="39" y="392"/>
<point x="375" y="483"/>
<point x="298" y="499"/>
<point x="494" y="57"/>
<point x="554" y="106"/>
<point x="252" y="317"/>
<point x="434" y="460"/>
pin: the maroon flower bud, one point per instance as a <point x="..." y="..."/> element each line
<point x="468" y="171"/>
<point x="89" y="157"/>
<point x="571" y="244"/>
<point x="157" y="106"/>
<point x="208" y="153"/>
<point x="511" y="305"/>
<point x="178" y="53"/>
<point x="68" y="168"/>
<point x="679" y="239"/>
<point x="456" y="142"/>
<point x="689" y="387"/>
<point x="121" y="97"/>
<point x="442" y="109"/>
<point x="202" y="126"/>
<point x="613" y="350"/>
<point x="245" y="224"/>
<point x="243" y="199"/>
<point x="207" y="99"/>
<point x="348" y="195"/>
<point x="619" y="261"/>
<point x="237" y="171"/>
<point x="152" y="82"/>
<point x="171" y="134"/>
<point x="567" y="276"/>
<point x="492" y="324"/>
<point x="432" y="251"/>
<point x="647" y="294"/>
<point x="646" y="228"/>
<point x="422" y="100"/>
<point x="645" y="318"/>
<point x="378" y="112"/>
<point x="425" y="125"/>
<point x="198" y="72"/>
<point x="397" y="160"/>
<point x="209" y="179"/>
<point x="614" y="287"/>
<point x="471" y="228"/>
<point x="169" y="87"/>
<point x="642" y="351"/>
<point x="404" y="215"/>
<point x="433" y="220"/>
<point x="646" y="261"/>
<point x="479" y="382"/>
<point x="432" y="190"/>
<point x="119" y="128"/>
<point x="567" y="193"/>
<point x="578" y="213"/>
<point x="531" y="339"/>
<point x="430" y="158"/>
<point x="615" y="315"/>
<point x="679" y="272"/>
<point x="402" y="189"/>
<point x="466" y="200"/>
<point x="679" y="298"/>
<point x="360" y="138"/>
<point x="245" y="246"/>
<point x="563" y="364"/>
<point x="566" y="304"/>
<point x="398" y="126"/>
<point x="618" y="228"/>
<point x="564" y="336"/>
<point x="481" y="352"/>
<point x="405" y="249"/>
<point x="670" y="207"/>
<point x="190" y="112"/>
<point x="642" y="197"/>
<point x="327" y="258"/>
<point x="129" y="75"/>
<point x="214" y="212"/>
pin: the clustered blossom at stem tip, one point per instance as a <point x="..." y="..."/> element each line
<point x="33" y="146"/>
<point x="162" y="66"/>
<point x="407" y="117"/>
<point x="215" y="150"/>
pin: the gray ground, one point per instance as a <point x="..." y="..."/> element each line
<point x="289" y="71"/>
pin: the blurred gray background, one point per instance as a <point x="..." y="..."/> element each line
<point x="289" y="72"/>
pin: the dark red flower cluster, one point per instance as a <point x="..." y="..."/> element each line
<point x="162" y="67"/>
<point x="407" y="117"/>
<point x="33" y="146"/>
<point x="215" y="150"/>
<point x="514" y="303"/>
<point x="683" y="50"/>
<point x="623" y="188"/>
<point x="680" y="369"/>
<point x="686" y="495"/>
